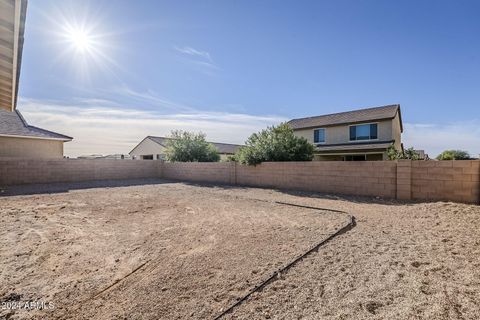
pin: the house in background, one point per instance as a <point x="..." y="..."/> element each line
<point x="17" y="137"/>
<point x="154" y="148"/>
<point x="357" y="135"/>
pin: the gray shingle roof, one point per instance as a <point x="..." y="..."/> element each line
<point x="225" y="148"/>
<point x="362" y="115"/>
<point x="13" y="124"/>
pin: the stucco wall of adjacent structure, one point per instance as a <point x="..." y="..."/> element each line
<point x="147" y="147"/>
<point x="30" y="148"/>
<point x="341" y="134"/>
<point x="397" y="132"/>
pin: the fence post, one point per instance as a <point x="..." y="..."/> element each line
<point x="233" y="173"/>
<point x="160" y="169"/>
<point x="404" y="179"/>
<point x="478" y="184"/>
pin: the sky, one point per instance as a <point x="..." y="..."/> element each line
<point x="109" y="73"/>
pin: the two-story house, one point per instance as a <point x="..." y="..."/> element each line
<point x="357" y="135"/>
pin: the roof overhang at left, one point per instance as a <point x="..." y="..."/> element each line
<point x="12" y="26"/>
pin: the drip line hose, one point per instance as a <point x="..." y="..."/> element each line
<point x="350" y="225"/>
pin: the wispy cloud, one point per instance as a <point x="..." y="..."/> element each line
<point x="198" y="57"/>
<point x="193" y="52"/>
<point x="98" y="127"/>
<point x="150" y="98"/>
<point x="435" y="138"/>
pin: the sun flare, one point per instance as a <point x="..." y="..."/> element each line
<point x="81" y="40"/>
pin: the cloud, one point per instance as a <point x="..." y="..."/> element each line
<point x="435" y="138"/>
<point x="193" y="52"/>
<point x="150" y="98"/>
<point x="103" y="128"/>
<point x="201" y="59"/>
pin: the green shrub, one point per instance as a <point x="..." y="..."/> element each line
<point x="394" y="154"/>
<point x="190" y="147"/>
<point x="453" y="155"/>
<point x="276" y="143"/>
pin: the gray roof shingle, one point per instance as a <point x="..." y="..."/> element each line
<point x="13" y="124"/>
<point x="362" y="115"/>
<point x="225" y="148"/>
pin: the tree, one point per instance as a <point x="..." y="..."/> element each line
<point x="453" y="155"/>
<point x="394" y="154"/>
<point x="276" y="143"/>
<point x="190" y="147"/>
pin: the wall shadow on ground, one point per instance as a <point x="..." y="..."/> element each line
<point x="310" y="194"/>
<point x="62" y="187"/>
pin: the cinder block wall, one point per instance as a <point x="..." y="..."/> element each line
<point x="373" y="178"/>
<point x="16" y="171"/>
<point x="446" y="180"/>
<point x="216" y="172"/>
<point x="403" y="179"/>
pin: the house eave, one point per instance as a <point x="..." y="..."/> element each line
<point x="34" y="137"/>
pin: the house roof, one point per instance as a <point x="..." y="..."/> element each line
<point x="226" y="148"/>
<point x="355" y="146"/>
<point x="362" y="115"/>
<point x="13" y="124"/>
<point x="12" y="26"/>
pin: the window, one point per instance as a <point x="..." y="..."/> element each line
<point x="319" y="136"/>
<point x="355" y="158"/>
<point x="364" y="132"/>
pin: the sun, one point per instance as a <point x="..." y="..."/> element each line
<point x="81" y="40"/>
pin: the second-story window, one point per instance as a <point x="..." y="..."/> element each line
<point x="364" y="132"/>
<point x="319" y="135"/>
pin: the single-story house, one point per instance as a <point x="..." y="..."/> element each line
<point x="17" y="137"/>
<point x="357" y="135"/>
<point x="154" y="148"/>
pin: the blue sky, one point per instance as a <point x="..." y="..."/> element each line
<point x="228" y="68"/>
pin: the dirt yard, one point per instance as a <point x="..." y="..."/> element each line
<point x="194" y="251"/>
<point x="174" y="251"/>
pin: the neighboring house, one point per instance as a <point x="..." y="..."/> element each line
<point x="358" y="135"/>
<point x="17" y="137"/>
<point x="422" y="155"/>
<point x="154" y="148"/>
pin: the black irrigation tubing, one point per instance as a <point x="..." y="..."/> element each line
<point x="349" y="226"/>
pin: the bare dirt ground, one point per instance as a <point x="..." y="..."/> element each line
<point x="401" y="261"/>
<point x="193" y="250"/>
<point x="204" y="247"/>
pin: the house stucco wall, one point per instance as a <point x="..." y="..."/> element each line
<point x="147" y="147"/>
<point x="341" y="134"/>
<point x="30" y="148"/>
<point x="397" y="132"/>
